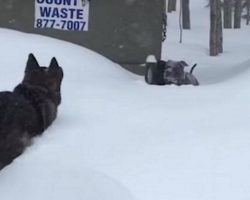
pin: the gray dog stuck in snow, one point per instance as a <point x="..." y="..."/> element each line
<point x="169" y="72"/>
<point x="175" y="73"/>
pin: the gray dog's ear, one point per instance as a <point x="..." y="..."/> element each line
<point x="171" y="63"/>
<point x="31" y="63"/>
<point x="183" y="63"/>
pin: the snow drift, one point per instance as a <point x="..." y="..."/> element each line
<point x="118" y="138"/>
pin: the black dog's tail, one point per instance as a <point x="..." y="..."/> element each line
<point x="192" y="69"/>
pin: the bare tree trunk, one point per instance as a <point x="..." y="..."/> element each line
<point x="219" y="28"/>
<point x="248" y="11"/>
<point x="185" y="14"/>
<point x="180" y="20"/>
<point x="228" y="13"/>
<point x="213" y="28"/>
<point x="174" y="5"/>
<point x="171" y="5"/>
<point x="237" y="13"/>
<point x="216" y="33"/>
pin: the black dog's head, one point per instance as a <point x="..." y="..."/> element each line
<point x="174" y="72"/>
<point x="45" y="77"/>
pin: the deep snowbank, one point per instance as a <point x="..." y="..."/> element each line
<point x="46" y="170"/>
<point x="117" y="138"/>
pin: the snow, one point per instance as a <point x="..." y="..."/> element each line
<point x="151" y="59"/>
<point x="118" y="138"/>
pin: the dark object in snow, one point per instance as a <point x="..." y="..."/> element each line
<point x="29" y="109"/>
<point x="169" y="72"/>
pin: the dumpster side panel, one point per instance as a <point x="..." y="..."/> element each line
<point x="125" y="31"/>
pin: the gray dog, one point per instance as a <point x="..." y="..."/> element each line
<point x="174" y="73"/>
<point x="169" y="72"/>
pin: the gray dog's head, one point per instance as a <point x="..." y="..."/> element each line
<point x="174" y="72"/>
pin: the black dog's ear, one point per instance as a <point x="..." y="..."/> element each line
<point x="53" y="63"/>
<point x="31" y="63"/>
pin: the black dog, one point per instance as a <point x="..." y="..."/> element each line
<point x="29" y="109"/>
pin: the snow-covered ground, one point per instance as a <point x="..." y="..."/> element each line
<point x="117" y="138"/>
